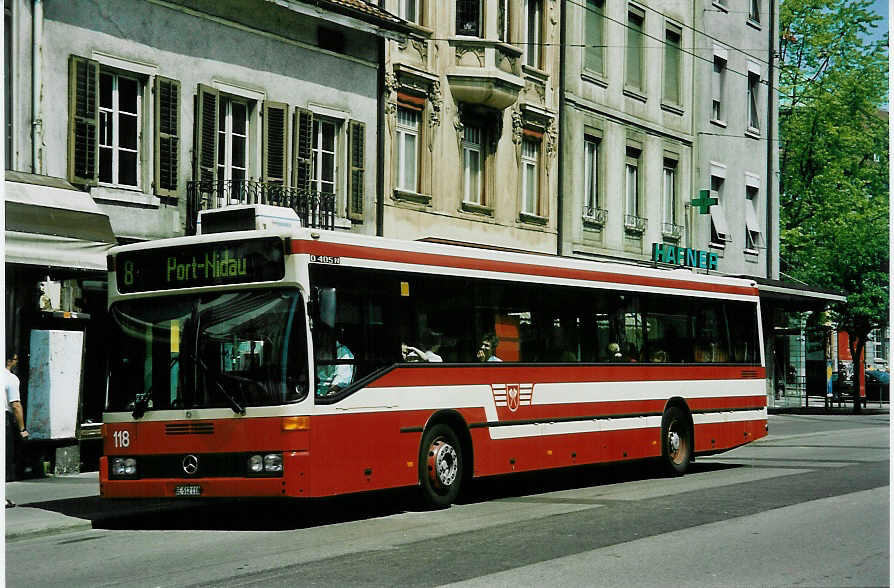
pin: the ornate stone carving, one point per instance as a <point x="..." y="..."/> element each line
<point x="458" y="121"/>
<point x="436" y="102"/>
<point x="552" y="140"/>
<point x="517" y="125"/>
<point x="461" y="51"/>
<point x="391" y="86"/>
<point x="420" y="47"/>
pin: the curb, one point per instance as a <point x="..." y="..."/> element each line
<point x="37" y="523"/>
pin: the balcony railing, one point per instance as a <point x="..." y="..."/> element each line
<point x="315" y="209"/>
<point x="671" y="231"/>
<point x="634" y="224"/>
<point x="593" y="216"/>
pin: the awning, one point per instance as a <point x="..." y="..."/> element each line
<point x="50" y="223"/>
<point x="796" y="296"/>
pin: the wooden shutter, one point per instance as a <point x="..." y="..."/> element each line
<point x="205" y="168"/>
<point x="302" y="147"/>
<point x="276" y="128"/>
<point x="356" y="159"/>
<point x="167" y="136"/>
<point x="83" y="121"/>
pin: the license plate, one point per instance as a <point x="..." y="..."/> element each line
<point x="188" y="490"/>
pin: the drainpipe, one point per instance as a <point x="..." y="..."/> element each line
<point x="380" y="144"/>
<point x="771" y="144"/>
<point x="36" y="121"/>
<point x="560" y="177"/>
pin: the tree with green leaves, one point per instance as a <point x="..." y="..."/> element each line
<point x="833" y="128"/>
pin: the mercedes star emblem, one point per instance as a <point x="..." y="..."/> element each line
<point x="190" y="464"/>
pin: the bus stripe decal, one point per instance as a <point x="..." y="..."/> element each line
<point x="506" y="267"/>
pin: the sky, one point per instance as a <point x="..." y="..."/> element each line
<point x="881" y="7"/>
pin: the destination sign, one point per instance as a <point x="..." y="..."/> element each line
<point x="203" y="264"/>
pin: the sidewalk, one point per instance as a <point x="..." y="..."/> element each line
<point x="57" y="504"/>
<point x="31" y="517"/>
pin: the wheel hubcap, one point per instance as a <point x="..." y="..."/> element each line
<point x="676" y="444"/>
<point x="442" y="464"/>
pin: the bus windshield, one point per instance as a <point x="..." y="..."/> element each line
<point x="225" y="349"/>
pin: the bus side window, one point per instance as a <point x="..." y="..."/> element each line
<point x="711" y="336"/>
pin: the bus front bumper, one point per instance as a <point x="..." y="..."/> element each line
<point x="291" y="483"/>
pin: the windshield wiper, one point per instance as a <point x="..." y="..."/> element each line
<point x="215" y="379"/>
<point x="140" y="405"/>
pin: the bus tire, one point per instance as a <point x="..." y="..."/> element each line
<point x="440" y="466"/>
<point x="676" y="441"/>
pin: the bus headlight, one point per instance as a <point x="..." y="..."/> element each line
<point x="269" y="464"/>
<point x="273" y="463"/>
<point x="255" y="464"/>
<point x="123" y="467"/>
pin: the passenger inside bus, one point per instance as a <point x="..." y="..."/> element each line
<point x="488" y="349"/>
<point x="430" y="342"/>
<point x="335" y="368"/>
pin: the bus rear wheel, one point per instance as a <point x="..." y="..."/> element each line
<point x="440" y="466"/>
<point x="676" y="441"/>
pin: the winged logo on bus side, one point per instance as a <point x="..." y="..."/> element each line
<point x="512" y="395"/>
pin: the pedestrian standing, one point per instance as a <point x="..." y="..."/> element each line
<point x="15" y="420"/>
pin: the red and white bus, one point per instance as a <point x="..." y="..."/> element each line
<point x="302" y="363"/>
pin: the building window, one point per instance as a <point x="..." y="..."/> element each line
<point x="754" y="14"/>
<point x="530" y="177"/>
<point x="591" y="171"/>
<point x="324" y="150"/>
<point x="232" y="140"/>
<point x="503" y="20"/>
<point x="409" y="10"/>
<point x="719" y="230"/>
<point x="120" y="107"/>
<point x="672" y="64"/>
<point x="473" y="165"/>
<point x="753" y="89"/>
<point x="752" y="227"/>
<point x="532" y="32"/>
<point x="634" y="77"/>
<point x="669" y="195"/>
<point x="593" y="35"/>
<point x="631" y="184"/>
<point x="718" y="87"/>
<point x="407" y="149"/>
<point x="468" y="18"/>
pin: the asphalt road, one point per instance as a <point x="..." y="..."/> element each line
<point x="807" y="506"/>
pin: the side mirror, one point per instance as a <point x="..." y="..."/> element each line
<point x="326" y="306"/>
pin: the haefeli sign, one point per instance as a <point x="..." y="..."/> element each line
<point x="684" y="256"/>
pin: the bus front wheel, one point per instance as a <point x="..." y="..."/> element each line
<point x="676" y="439"/>
<point x="440" y="466"/>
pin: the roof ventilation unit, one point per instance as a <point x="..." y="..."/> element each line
<point x="247" y="217"/>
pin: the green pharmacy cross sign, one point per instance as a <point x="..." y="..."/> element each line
<point x="704" y="202"/>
